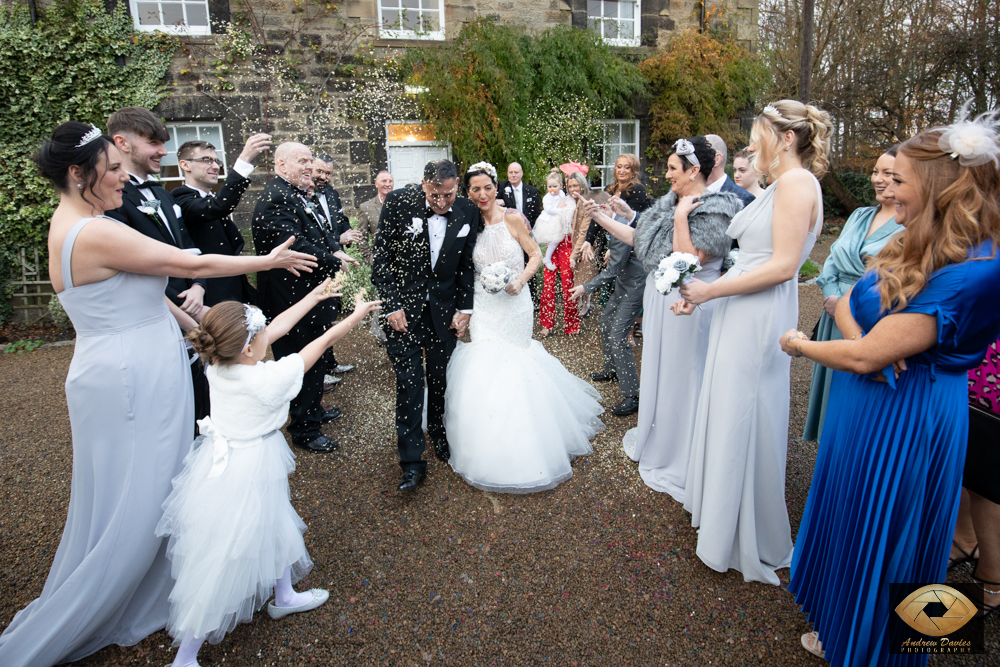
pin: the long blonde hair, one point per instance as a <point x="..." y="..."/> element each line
<point x="812" y="127"/>
<point x="633" y="162"/>
<point x="961" y="209"/>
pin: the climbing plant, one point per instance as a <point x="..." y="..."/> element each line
<point x="76" y="61"/>
<point x="503" y="93"/>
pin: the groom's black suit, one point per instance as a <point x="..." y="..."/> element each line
<point x="429" y="296"/>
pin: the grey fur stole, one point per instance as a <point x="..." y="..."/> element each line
<point x="654" y="233"/>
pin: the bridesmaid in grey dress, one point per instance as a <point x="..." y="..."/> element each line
<point x="130" y="406"/>
<point x="736" y="472"/>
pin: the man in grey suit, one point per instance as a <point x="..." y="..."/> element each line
<point x="619" y="315"/>
<point x="368" y="216"/>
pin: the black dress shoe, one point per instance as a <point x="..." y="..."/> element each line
<point x="320" y="445"/>
<point x="331" y="415"/>
<point x="441" y="449"/>
<point x="604" y="376"/>
<point x="628" y="406"/>
<point x="411" y="479"/>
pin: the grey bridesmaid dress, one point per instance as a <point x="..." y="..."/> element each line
<point x="131" y="410"/>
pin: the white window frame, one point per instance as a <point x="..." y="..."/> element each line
<point x="400" y="33"/>
<point x="178" y="29"/>
<point x="622" y="148"/>
<point x="220" y="150"/>
<point x="636" y="31"/>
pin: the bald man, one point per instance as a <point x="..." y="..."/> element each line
<point x="718" y="180"/>
<point x="515" y="193"/>
<point x="286" y="209"/>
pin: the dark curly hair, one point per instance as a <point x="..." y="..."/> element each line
<point x="704" y="153"/>
<point x="57" y="154"/>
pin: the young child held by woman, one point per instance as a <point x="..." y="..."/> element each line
<point x="234" y="535"/>
<point x="556" y="218"/>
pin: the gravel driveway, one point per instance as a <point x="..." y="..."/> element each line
<point x="599" y="571"/>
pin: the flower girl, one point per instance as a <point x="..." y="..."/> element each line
<point x="234" y="535"/>
<point x="553" y="224"/>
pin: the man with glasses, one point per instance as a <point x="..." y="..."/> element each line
<point x="209" y="217"/>
<point x="424" y="275"/>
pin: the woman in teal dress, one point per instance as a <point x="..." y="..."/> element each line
<point x="866" y="231"/>
<point x="885" y="491"/>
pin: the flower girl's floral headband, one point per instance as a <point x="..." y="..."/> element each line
<point x="254" y="321"/>
<point x="972" y="142"/>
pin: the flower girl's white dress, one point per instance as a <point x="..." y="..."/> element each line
<point x="232" y="527"/>
<point x="551" y="226"/>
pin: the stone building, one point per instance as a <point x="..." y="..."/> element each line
<point x="198" y="107"/>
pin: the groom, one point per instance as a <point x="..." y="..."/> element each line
<point x="423" y="272"/>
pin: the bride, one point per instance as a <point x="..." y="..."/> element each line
<point x="515" y="417"/>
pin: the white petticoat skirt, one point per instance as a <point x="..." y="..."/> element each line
<point x="515" y="417"/>
<point x="231" y="536"/>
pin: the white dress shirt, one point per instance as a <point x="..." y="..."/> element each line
<point x="147" y="194"/>
<point x="717" y="186"/>
<point x="519" y="196"/>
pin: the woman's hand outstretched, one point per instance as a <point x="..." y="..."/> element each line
<point x="362" y="307"/>
<point x="283" y="257"/>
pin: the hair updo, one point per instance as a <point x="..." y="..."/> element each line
<point x="812" y="127"/>
<point x="469" y="175"/>
<point x="222" y="334"/>
<point x="703" y="152"/>
<point x="554" y="175"/>
<point x="56" y="155"/>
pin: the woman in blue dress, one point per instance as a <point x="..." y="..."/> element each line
<point x="889" y="472"/>
<point x="865" y="233"/>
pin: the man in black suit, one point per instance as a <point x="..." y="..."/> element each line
<point x="337" y="223"/>
<point x="515" y="193"/>
<point x="140" y="137"/>
<point x="285" y="209"/>
<point x="146" y="206"/>
<point x="424" y="274"/>
<point x="718" y="180"/>
<point x="209" y="217"/>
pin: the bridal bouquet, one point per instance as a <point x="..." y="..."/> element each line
<point x="675" y="270"/>
<point x="495" y="277"/>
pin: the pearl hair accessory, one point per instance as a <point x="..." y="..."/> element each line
<point x="92" y="134"/>
<point x="972" y="142"/>
<point x="484" y="166"/>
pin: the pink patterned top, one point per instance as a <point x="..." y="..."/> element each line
<point x="984" y="382"/>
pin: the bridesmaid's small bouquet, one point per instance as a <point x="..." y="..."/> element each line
<point x="674" y="270"/>
<point x="495" y="277"/>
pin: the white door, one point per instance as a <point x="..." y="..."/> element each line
<point x="406" y="163"/>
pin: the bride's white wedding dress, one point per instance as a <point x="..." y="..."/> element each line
<point x="515" y="417"/>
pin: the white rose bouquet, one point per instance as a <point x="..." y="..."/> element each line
<point x="675" y="270"/>
<point x="495" y="277"/>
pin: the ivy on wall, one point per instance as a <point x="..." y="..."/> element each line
<point x="77" y="62"/>
<point x="502" y="93"/>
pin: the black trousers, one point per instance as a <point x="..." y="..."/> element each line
<point x="307" y="408"/>
<point x="407" y="352"/>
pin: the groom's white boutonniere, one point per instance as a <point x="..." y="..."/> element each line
<point x="150" y="207"/>
<point x="416" y="227"/>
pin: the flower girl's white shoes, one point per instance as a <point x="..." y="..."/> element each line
<point x="319" y="596"/>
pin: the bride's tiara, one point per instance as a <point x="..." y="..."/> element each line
<point x="770" y="108"/>
<point x="484" y="166"/>
<point x="93" y="133"/>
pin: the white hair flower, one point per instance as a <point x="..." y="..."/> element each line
<point x="972" y="142"/>
<point x="484" y="166"/>
<point x="254" y="321"/>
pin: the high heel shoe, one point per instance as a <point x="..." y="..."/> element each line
<point x="987" y="608"/>
<point x="811" y="643"/>
<point x="969" y="557"/>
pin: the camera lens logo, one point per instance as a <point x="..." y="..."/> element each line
<point x="958" y="610"/>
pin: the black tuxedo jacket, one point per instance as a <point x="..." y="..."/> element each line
<point x="532" y="203"/>
<point x="338" y="221"/>
<point x="402" y="272"/>
<point x="281" y="213"/>
<point x="153" y="227"/>
<point x="210" y="223"/>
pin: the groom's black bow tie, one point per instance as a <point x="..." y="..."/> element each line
<point x="134" y="180"/>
